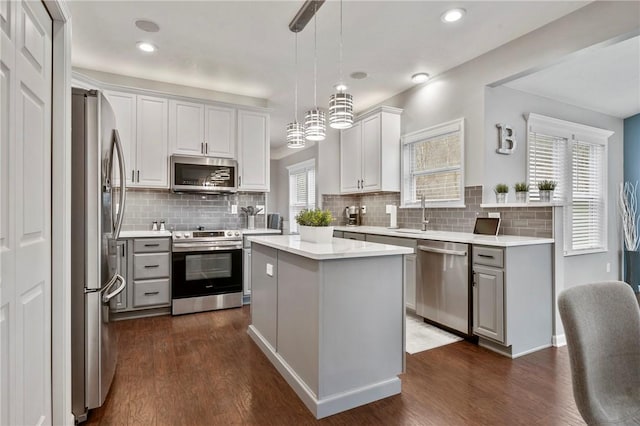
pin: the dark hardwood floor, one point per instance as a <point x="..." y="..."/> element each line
<point x="203" y="369"/>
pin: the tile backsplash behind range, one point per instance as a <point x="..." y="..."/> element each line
<point x="525" y="221"/>
<point x="188" y="211"/>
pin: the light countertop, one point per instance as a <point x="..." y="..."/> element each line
<point x="145" y="234"/>
<point x="455" y="237"/>
<point x="339" y="248"/>
<point x="260" y="231"/>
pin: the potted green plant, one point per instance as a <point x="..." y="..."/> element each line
<point x="501" y="190"/>
<point x="546" y="188"/>
<point x="522" y="192"/>
<point x="314" y="225"/>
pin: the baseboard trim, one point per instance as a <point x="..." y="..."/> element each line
<point x="559" y="340"/>
<point x="332" y="404"/>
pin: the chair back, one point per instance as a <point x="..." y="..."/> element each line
<point x="602" y="327"/>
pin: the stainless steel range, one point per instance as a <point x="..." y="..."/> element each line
<point x="207" y="271"/>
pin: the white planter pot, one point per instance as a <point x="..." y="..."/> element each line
<point x="501" y="197"/>
<point x="316" y="234"/>
<point x="546" y="196"/>
<point x="522" y="197"/>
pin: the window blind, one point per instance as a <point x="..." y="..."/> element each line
<point x="575" y="156"/>
<point x="302" y="192"/>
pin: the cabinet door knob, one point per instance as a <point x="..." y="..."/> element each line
<point x="206" y="147"/>
<point x="202" y="148"/>
<point x="133" y="175"/>
<point x="239" y="180"/>
<point x="138" y="176"/>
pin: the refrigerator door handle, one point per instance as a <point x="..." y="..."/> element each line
<point x="111" y="294"/>
<point x="123" y="185"/>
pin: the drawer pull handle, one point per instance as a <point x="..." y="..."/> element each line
<point x="208" y="286"/>
<point x="485" y="255"/>
<point x="151" y="293"/>
<point x="152" y="245"/>
<point x="151" y="266"/>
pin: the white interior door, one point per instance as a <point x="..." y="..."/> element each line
<point x="25" y="213"/>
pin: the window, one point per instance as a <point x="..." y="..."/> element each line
<point x="433" y="166"/>
<point x="575" y="156"/>
<point x="302" y="190"/>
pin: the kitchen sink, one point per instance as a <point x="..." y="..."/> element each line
<point x="410" y="231"/>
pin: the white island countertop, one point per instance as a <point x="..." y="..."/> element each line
<point x="454" y="237"/>
<point x="339" y="248"/>
<point x="246" y="231"/>
<point x="145" y="234"/>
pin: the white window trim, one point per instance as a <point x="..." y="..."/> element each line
<point x="583" y="133"/>
<point x="428" y="133"/>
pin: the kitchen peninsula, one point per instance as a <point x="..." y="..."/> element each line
<point x="330" y="318"/>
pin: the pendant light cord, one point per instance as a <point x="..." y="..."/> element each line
<point x="341" y="82"/>
<point x="295" y="112"/>
<point x="315" y="55"/>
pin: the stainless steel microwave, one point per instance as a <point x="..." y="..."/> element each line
<point x="205" y="175"/>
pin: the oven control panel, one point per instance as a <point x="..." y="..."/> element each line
<point x="180" y="235"/>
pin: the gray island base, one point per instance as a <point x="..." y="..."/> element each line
<point x="330" y="318"/>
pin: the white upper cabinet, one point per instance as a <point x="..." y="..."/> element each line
<point x="370" y="152"/>
<point x="186" y="127"/>
<point x="253" y="151"/>
<point x="124" y="108"/>
<point x="152" y="159"/>
<point x="220" y="131"/>
<point x="200" y="129"/>
<point x="142" y="125"/>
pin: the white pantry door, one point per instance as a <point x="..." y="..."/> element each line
<point x="25" y="213"/>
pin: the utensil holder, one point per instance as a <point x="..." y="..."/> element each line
<point x="251" y="222"/>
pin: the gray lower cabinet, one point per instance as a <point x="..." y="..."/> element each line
<point x="353" y="236"/>
<point x="488" y="302"/>
<point x="146" y="265"/>
<point x="409" y="268"/>
<point x="512" y="298"/>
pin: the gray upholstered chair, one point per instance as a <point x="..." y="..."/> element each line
<point x="602" y="325"/>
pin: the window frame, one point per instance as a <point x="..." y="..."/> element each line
<point x="432" y="132"/>
<point x="574" y="133"/>
<point x="303" y="166"/>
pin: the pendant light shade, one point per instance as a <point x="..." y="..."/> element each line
<point x="315" y="125"/>
<point x="295" y="135"/>
<point x="315" y="122"/>
<point x="341" y="103"/>
<point x="295" y="130"/>
<point x="341" y="110"/>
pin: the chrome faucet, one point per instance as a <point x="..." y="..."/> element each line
<point x="423" y="220"/>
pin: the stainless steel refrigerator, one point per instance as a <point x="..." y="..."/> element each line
<point x="97" y="211"/>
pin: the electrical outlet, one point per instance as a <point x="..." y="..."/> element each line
<point x="363" y="209"/>
<point x="259" y="206"/>
<point x="494" y="214"/>
<point x="608" y="267"/>
<point x="234" y="209"/>
<point x="269" y="269"/>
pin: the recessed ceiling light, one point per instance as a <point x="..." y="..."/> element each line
<point x="452" y="15"/>
<point x="146" y="46"/>
<point x="148" y="26"/>
<point x="420" y="77"/>
<point x="359" y="75"/>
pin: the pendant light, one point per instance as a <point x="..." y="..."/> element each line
<point x="295" y="130"/>
<point x="315" y="121"/>
<point x="341" y="103"/>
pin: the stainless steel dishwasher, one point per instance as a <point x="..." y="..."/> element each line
<point x="442" y="290"/>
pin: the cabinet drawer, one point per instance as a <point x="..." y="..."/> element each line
<point x="353" y="236"/>
<point x="150" y="265"/>
<point x="152" y="292"/>
<point x="150" y="245"/>
<point x="488" y="256"/>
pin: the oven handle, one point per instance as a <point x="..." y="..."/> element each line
<point x="183" y="248"/>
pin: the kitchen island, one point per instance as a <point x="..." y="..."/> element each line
<point x="330" y="318"/>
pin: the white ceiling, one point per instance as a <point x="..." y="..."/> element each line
<point x="605" y="79"/>
<point x="246" y="48"/>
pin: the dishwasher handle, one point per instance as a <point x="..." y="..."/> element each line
<point x="443" y="251"/>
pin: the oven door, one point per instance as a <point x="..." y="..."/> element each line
<point x="205" y="273"/>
